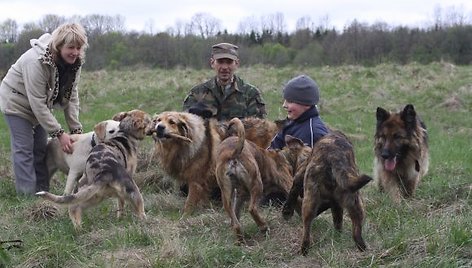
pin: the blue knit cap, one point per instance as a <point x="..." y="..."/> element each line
<point x="302" y="90"/>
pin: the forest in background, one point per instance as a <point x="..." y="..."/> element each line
<point x="263" y="40"/>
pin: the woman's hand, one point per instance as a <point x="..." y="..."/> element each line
<point x="66" y="143"/>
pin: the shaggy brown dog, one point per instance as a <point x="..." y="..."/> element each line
<point x="331" y="180"/>
<point x="247" y="171"/>
<point x="185" y="148"/>
<point x="401" y="152"/>
<point x="109" y="169"/>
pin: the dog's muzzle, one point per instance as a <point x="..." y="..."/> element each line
<point x="387" y="154"/>
<point x="160" y="131"/>
<point x="161" y="134"/>
<point x="390" y="159"/>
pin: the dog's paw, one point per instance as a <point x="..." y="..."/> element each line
<point x="42" y="193"/>
<point x="142" y="216"/>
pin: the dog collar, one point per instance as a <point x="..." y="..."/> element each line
<point x="92" y="141"/>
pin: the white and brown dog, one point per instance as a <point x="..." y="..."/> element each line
<point x="74" y="164"/>
<point x="109" y="169"/>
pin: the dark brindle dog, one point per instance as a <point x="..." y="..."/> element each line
<point x="401" y="152"/>
<point x="246" y="171"/>
<point x="109" y="169"/>
<point x="331" y="180"/>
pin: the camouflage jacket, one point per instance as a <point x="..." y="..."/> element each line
<point x="241" y="100"/>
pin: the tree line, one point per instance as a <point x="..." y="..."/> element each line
<point x="261" y="41"/>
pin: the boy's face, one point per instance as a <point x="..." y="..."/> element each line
<point x="224" y="68"/>
<point x="294" y="110"/>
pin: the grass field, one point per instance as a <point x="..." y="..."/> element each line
<point x="434" y="229"/>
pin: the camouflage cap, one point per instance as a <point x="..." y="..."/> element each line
<point x="224" y="50"/>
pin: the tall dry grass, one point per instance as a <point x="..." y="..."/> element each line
<point x="431" y="230"/>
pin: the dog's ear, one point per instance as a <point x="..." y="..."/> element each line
<point x="381" y="115"/>
<point x="119" y="116"/>
<point x="142" y="121"/>
<point x="293" y="142"/>
<point x="100" y="130"/>
<point x="202" y="110"/>
<point x="183" y="128"/>
<point x="408" y="115"/>
<point x="280" y="123"/>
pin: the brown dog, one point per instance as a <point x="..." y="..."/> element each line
<point x="258" y="130"/>
<point x="331" y="180"/>
<point x="401" y="152"/>
<point x="109" y="169"/>
<point x="185" y="148"/>
<point x="247" y="171"/>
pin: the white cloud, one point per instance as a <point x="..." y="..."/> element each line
<point x="163" y="14"/>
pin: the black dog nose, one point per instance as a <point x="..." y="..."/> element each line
<point x="387" y="154"/>
<point x="160" y="130"/>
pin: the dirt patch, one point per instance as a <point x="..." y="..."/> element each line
<point x="451" y="103"/>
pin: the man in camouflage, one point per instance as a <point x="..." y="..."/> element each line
<point x="226" y="95"/>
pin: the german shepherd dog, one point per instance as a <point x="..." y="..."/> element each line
<point x="246" y="171"/>
<point x="109" y="170"/>
<point x="401" y="152"/>
<point x="331" y="180"/>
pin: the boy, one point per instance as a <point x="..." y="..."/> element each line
<point x="301" y="94"/>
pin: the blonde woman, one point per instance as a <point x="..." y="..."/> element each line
<point x="43" y="78"/>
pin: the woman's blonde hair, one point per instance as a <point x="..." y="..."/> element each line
<point x="69" y="33"/>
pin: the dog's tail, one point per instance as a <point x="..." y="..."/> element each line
<point x="84" y="193"/>
<point x="356" y="183"/>
<point x="236" y="128"/>
<point x="350" y="180"/>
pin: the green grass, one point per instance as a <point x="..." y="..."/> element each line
<point x="434" y="229"/>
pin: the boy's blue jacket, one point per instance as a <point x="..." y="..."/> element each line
<point x="308" y="127"/>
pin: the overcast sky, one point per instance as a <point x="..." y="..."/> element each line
<point x="141" y="14"/>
